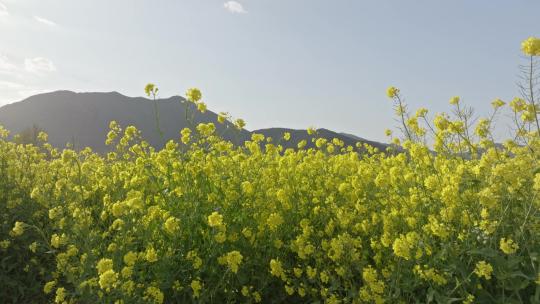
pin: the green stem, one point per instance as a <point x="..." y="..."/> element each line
<point x="531" y="90"/>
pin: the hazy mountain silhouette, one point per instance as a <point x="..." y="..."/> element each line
<point x="83" y="119"/>
<point x="299" y="135"/>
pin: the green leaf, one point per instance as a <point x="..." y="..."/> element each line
<point x="485" y="252"/>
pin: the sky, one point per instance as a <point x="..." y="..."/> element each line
<point x="274" y="63"/>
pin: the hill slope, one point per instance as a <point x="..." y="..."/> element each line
<point x="299" y="135"/>
<point x="83" y="119"/>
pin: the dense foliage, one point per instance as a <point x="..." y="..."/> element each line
<point x="205" y="221"/>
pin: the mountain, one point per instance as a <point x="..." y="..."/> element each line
<point x="299" y="135"/>
<point x="83" y="119"/>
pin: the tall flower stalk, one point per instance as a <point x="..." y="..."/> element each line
<point x="151" y="91"/>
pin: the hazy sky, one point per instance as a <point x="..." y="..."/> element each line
<point x="289" y="63"/>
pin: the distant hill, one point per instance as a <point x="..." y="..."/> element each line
<point x="83" y="119"/>
<point x="299" y="135"/>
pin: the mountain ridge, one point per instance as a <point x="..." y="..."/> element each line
<point x="82" y="118"/>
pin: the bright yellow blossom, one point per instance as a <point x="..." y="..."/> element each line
<point x="508" y="246"/>
<point x="196" y="286"/>
<point x="18" y="229"/>
<point x="193" y="94"/>
<point x="130" y="258"/>
<point x="531" y="46"/>
<point x="215" y="219"/>
<point x="392" y="92"/>
<point x="171" y="225"/>
<point x="483" y="269"/>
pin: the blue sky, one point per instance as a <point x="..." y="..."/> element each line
<point x="288" y="63"/>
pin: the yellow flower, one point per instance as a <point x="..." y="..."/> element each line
<point x="245" y="291"/>
<point x="232" y="259"/>
<point x="220" y="237"/>
<point x="286" y="136"/>
<point x="239" y="123"/>
<point x="130" y="258"/>
<point x="324" y="277"/>
<point x="536" y="185"/>
<point x="193" y="95"/>
<point x="247" y="187"/>
<point x="150" y="89"/>
<point x="469" y="299"/>
<point x="403" y="245"/>
<point x="151" y="255"/>
<point x="186" y="135"/>
<point x="171" y="225"/>
<point x="127" y="272"/>
<point x="42" y="136"/>
<point x="392" y="92"/>
<point x="531" y="46"/>
<point x="201" y="106"/>
<point x="18" y="229"/>
<point x="483" y="269"/>
<point x="257" y="297"/>
<point x="518" y="104"/>
<point x="215" y="219"/>
<point x="497" y="103"/>
<point x="104" y="265"/>
<point x="57" y="240"/>
<point x="196" y="286"/>
<point x="49" y="287"/>
<point x="222" y="117"/>
<point x="72" y="251"/>
<point x="454" y="100"/>
<point x="274" y="220"/>
<point x="289" y="290"/>
<point x="421" y="112"/>
<point x="112" y="247"/>
<point x="311" y="272"/>
<point x="370" y="277"/>
<point x="430" y="274"/>
<point x="177" y="286"/>
<point x="247" y="232"/>
<point x="107" y="279"/>
<point x="275" y="268"/>
<point x="197" y="262"/>
<point x="154" y="295"/>
<point x="508" y="246"/>
<point x="60" y="295"/>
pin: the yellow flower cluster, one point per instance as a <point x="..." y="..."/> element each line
<point x="508" y="246"/>
<point x="208" y="221"/>
<point x="392" y="92"/>
<point x="232" y="259"/>
<point x="483" y="269"/>
<point x="215" y="219"/>
<point x="18" y="229"/>
<point x="194" y="95"/>
<point x="531" y="46"/>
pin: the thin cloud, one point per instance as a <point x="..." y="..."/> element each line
<point x="11" y="85"/>
<point x="6" y="66"/>
<point x="39" y="65"/>
<point x="234" y="7"/>
<point x="3" y="10"/>
<point x="44" y="21"/>
<point x="22" y="79"/>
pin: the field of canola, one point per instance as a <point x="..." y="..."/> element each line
<point x="205" y="221"/>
